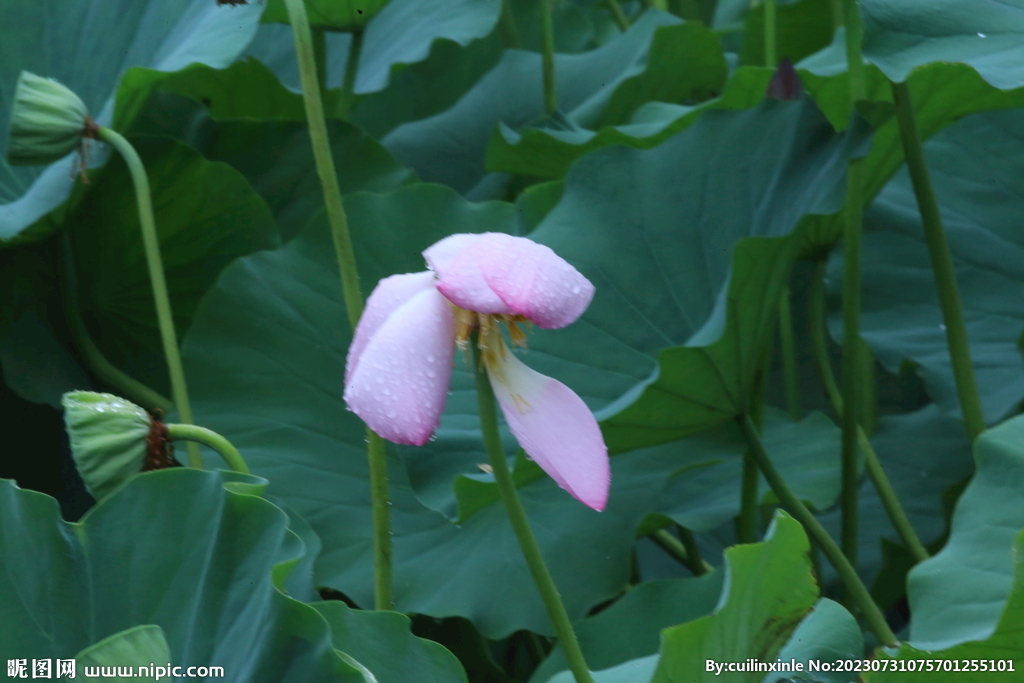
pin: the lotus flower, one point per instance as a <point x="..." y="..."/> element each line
<point x="400" y="362"/>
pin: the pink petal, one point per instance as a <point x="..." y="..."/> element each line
<point x="455" y="261"/>
<point x="533" y="280"/>
<point x="554" y="427"/>
<point x="400" y="383"/>
<point x="389" y="294"/>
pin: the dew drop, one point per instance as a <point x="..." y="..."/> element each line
<point x="942" y="327"/>
<point x="982" y="35"/>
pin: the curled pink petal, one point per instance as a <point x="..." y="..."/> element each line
<point x="400" y="383"/>
<point x="554" y="427"/>
<point x="533" y="280"/>
<point x="387" y="297"/>
<point x="456" y="262"/>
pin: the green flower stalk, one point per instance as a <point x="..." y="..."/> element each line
<point x="306" y="55"/>
<point x="161" y="299"/>
<point x="48" y="121"/>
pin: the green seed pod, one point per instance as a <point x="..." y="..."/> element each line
<point x="108" y="438"/>
<point x="47" y="121"/>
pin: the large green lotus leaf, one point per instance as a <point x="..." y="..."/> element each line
<point x="631" y="628"/>
<point x="1004" y="648"/>
<point x="925" y="454"/>
<point x="206" y="215"/>
<point x="770" y="590"/>
<point x="50" y="40"/>
<point x="343" y="15"/>
<point x="382" y="642"/>
<point x="450" y="146"/>
<point x="975" y="168"/>
<point x="986" y="34"/>
<point x="195" y="553"/>
<point x="959" y="594"/>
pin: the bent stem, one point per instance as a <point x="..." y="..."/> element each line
<point x="854" y="586"/>
<point x="547" y="33"/>
<point x="880" y="480"/>
<point x="942" y="263"/>
<point x="520" y="524"/>
<point x="124" y="384"/>
<point x="151" y="245"/>
<point x="680" y="551"/>
<point x="208" y="437"/>
<point x="349" y="280"/>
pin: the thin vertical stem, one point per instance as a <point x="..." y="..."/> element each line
<point x="886" y="492"/>
<point x="324" y="161"/>
<point x="852" y="231"/>
<point x="547" y="32"/>
<point x="854" y="586"/>
<point x="382" y="580"/>
<point x="162" y="301"/>
<point x="618" y="15"/>
<point x="349" y="281"/>
<point x="521" y="525"/>
<point x="770" y="56"/>
<point x="851" y="349"/>
<point x="789" y="364"/>
<point x="942" y="263"/>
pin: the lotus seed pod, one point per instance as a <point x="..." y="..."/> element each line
<point x="108" y="438"/>
<point x="47" y="121"/>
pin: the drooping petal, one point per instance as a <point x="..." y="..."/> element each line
<point x="533" y="280"/>
<point x="554" y="427"/>
<point x="400" y="383"/>
<point x="387" y="297"/>
<point x="456" y="262"/>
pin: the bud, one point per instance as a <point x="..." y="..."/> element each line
<point x="47" y="121"/>
<point x="108" y="438"/>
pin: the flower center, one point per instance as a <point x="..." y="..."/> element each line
<point x="489" y="327"/>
